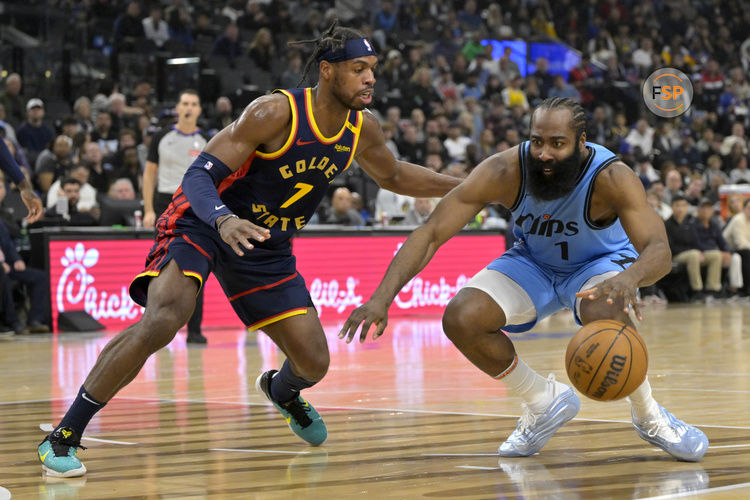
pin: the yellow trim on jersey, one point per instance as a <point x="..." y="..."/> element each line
<point x="278" y="317"/>
<point x="356" y="130"/>
<point x="314" y="126"/>
<point x="292" y="132"/>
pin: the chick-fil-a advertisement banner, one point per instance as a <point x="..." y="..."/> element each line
<point x="341" y="274"/>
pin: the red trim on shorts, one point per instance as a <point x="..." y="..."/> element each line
<point x="197" y="247"/>
<point x="264" y="287"/>
<point x="160" y="253"/>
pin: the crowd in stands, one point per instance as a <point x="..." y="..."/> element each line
<point x="444" y="101"/>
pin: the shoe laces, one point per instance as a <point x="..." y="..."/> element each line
<point x="61" y="445"/>
<point x="528" y="418"/>
<point x="663" y="427"/>
<point x="299" y="411"/>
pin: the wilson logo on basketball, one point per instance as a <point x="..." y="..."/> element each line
<point x="613" y="374"/>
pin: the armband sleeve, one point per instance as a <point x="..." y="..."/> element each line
<point x="199" y="185"/>
<point x="8" y="164"/>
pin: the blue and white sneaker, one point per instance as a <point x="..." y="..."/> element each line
<point x="59" y="454"/>
<point x="303" y="419"/>
<point x="682" y="441"/>
<point x="535" y="429"/>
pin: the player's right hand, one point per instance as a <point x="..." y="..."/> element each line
<point x="372" y="311"/>
<point x="149" y="219"/>
<point x="238" y="232"/>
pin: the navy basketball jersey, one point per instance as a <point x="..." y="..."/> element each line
<point x="559" y="234"/>
<point x="281" y="190"/>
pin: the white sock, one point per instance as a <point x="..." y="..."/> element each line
<point x="643" y="403"/>
<point x="536" y="391"/>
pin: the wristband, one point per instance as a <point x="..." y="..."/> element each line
<point x="230" y="216"/>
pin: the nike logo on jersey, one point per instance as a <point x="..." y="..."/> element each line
<point x="300" y="142"/>
<point x="220" y="206"/>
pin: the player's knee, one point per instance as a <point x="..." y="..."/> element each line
<point x="459" y="319"/>
<point x="161" y="322"/>
<point x="314" y="367"/>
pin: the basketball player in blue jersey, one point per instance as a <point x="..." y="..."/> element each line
<point x="257" y="182"/>
<point x="586" y="240"/>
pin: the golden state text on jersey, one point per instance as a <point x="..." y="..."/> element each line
<point x="281" y="190"/>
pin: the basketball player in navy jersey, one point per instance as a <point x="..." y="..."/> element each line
<point x="587" y="239"/>
<point x="9" y="165"/>
<point x="256" y="183"/>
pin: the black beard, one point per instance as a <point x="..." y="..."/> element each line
<point x="347" y="101"/>
<point x="560" y="182"/>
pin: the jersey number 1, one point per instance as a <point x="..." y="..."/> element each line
<point x="302" y="190"/>
<point x="563" y="249"/>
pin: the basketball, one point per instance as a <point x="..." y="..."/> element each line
<point x="606" y="360"/>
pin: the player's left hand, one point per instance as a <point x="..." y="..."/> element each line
<point x="33" y="203"/>
<point x="612" y="289"/>
<point x="372" y="311"/>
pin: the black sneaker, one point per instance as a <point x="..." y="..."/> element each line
<point x="196" y="338"/>
<point x="59" y="453"/>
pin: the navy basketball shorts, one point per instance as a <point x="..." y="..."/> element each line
<point x="263" y="286"/>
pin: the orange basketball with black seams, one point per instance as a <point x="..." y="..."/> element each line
<point x="606" y="360"/>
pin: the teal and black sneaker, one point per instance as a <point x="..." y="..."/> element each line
<point x="59" y="454"/>
<point x="302" y="418"/>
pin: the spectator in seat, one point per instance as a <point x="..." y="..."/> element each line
<point x="262" y="50"/>
<point x="129" y="28"/>
<point x="34" y="135"/>
<point x="737" y="235"/>
<point x="341" y="211"/>
<point x="87" y="193"/>
<point x="683" y="241"/>
<point x="419" y="213"/>
<point x="68" y="214"/>
<point x="711" y="242"/>
<point x="155" y="27"/>
<point x="12" y="100"/>
<point x="54" y="164"/>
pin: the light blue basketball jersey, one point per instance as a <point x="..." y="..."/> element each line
<point x="558" y="234"/>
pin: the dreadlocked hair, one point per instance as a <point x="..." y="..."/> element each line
<point x="333" y="38"/>
<point x="578" y="115"/>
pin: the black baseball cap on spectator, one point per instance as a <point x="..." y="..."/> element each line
<point x="678" y="197"/>
<point x="705" y="202"/>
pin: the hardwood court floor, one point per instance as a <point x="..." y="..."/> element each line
<point x="408" y="417"/>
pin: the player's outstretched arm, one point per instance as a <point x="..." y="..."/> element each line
<point x="619" y="192"/>
<point x="394" y="175"/>
<point x="263" y="120"/>
<point x="30" y="199"/>
<point x="490" y="181"/>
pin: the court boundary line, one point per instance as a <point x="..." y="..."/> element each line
<point x="243" y="450"/>
<point x="357" y="408"/>
<point x="698" y="492"/>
